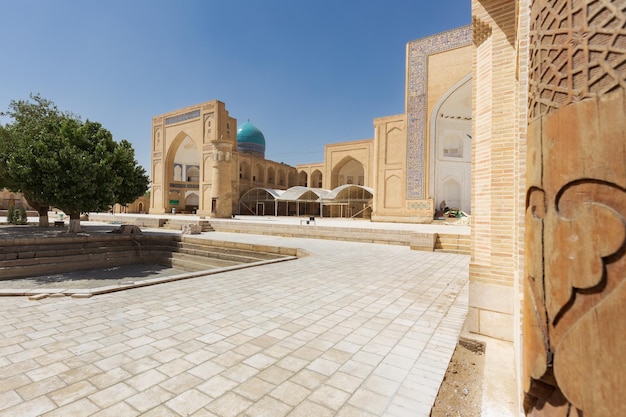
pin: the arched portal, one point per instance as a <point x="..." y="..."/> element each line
<point x="258" y="174"/>
<point x="181" y="172"/>
<point x="281" y="178"/>
<point x="186" y="162"/>
<point x="291" y="178"/>
<point x="316" y="179"/>
<point x="244" y="171"/>
<point x="348" y="171"/>
<point x="302" y="179"/>
<point x="451" y="148"/>
<point x="192" y="200"/>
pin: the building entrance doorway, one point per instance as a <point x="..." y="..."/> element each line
<point x="451" y="149"/>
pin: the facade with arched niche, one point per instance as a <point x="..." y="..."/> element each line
<point x="202" y="163"/>
<point x="416" y="162"/>
<point x="419" y="161"/>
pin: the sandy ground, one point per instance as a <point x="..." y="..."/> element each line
<point x="460" y="394"/>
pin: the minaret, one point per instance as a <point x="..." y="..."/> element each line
<point x="222" y="194"/>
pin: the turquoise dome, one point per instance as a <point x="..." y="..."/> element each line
<point x="250" y="140"/>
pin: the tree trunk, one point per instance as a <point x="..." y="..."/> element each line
<point x="42" y="209"/>
<point x="43" y="216"/>
<point x="74" y="226"/>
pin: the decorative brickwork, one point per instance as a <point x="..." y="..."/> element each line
<point x="480" y="31"/>
<point x="417" y="62"/>
<point x="419" y="205"/>
<point x="495" y="182"/>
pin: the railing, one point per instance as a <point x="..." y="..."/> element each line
<point x="360" y="211"/>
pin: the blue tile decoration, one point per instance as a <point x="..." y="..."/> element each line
<point x="182" y="117"/>
<point x="418" y="52"/>
<point x="419" y="205"/>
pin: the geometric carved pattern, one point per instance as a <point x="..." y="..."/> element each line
<point x="577" y="51"/>
<point x="480" y="31"/>
<point x="417" y="94"/>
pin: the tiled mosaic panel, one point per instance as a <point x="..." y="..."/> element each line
<point x="419" y="50"/>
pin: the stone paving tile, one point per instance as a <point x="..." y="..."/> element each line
<point x="254" y="389"/>
<point x="117" y="410"/>
<point x="109" y="378"/>
<point x="268" y="407"/>
<point x="181" y="383"/>
<point x="71" y="393"/>
<point x="149" y="398"/>
<point x="188" y="402"/>
<point x="229" y="405"/>
<point x="35" y="408"/>
<point x="330" y="397"/>
<point x="308" y="408"/>
<point x="35" y="389"/>
<point x="353" y="329"/>
<point x="146" y="379"/>
<point x="112" y="395"/>
<point x="9" y="399"/>
<point x="81" y="407"/>
<point x="290" y="393"/>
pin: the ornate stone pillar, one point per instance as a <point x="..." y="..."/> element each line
<point x="575" y="288"/>
<point x="221" y="190"/>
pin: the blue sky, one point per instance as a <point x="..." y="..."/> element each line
<point x="305" y="73"/>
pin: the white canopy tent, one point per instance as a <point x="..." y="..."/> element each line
<point x="306" y="201"/>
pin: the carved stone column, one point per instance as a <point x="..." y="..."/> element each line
<point x="574" y="358"/>
<point x="222" y="189"/>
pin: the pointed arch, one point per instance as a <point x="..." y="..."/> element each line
<point x="316" y="179"/>
<point x="182" y="153"/>
<point x="244" y="170"/>
<point x="450" y="147"/>
<point x="393" y="192"/>
<point x="258" y="174"/>
<point x="291" y="178"/>
<point x="394" y="144"/>
<point x="281" y="178"/>
<point x="348" y="171"/>
<point x="302" y="179"/>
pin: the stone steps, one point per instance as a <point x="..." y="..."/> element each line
<point x="232" y="254"/>
<point x="453" y="243"/>
<point x="36" y="257"/>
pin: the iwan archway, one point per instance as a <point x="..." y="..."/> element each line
<point x="451" y="148"/>
<point x="182" y="174"/>
<point x="348" y="171"/>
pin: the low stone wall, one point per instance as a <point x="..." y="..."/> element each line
<point x="455" y="243"/>
<point x="33" y="256"/>
<point x="430" y="242"/>
<point x="389" y="237"/>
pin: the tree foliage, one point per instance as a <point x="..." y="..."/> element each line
<point x="58" y="160"/>
<point x="32" y="122"/>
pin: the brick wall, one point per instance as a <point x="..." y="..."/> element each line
<point x="495" y="177"/>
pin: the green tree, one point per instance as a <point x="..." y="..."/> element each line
<point x="78" y="163"/>
<point x="33" y="121"/>
<point x="91" y="171"/>
<point x="21" y="217"/>
<point x="11" y="214"/>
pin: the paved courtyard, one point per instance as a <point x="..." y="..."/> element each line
<point x="353" y="329"/>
